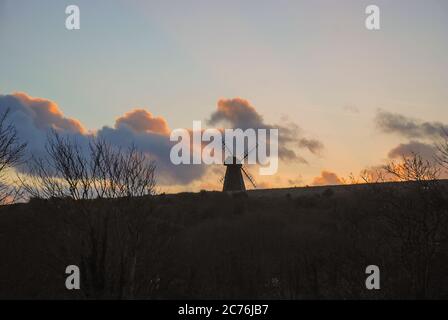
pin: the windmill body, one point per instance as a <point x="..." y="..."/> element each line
<point x="233" y="179"/>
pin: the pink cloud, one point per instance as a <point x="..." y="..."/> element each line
<point x="327" y="178"/>
<point x="140" y="121"/>
<point x="46" y="114"/>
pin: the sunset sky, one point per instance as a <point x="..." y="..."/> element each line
<point x="345" y="98"/>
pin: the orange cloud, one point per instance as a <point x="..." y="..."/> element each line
<point x="46" y="113"/>
<point x="238" y="112"/>
<point x="327" y="178"/>
<point x="265" y="185"/>
<point x="141" y="121"/>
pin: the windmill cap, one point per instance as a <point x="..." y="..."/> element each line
<point x="232" y="160"/>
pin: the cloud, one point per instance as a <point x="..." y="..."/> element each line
<point x="43" y="113"/>
<point x="408" y="127"/>
<point x="313" y="145"/>
<point x="351" y="108"/>
<point x="35" y="117"/>
<point x="415" y="130"/>
<point x="140" y="121"/>
<point x="426" y="151"/>
<point x="158" y="147"/>
<point x="239" y="113"/>
<point x="327" y="178"/>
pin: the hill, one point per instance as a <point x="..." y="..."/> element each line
<point x="297" y="243"/>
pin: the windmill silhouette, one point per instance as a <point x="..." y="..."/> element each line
<point x="233" y="179"/>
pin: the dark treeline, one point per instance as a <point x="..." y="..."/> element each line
<point x="97" y="208"/>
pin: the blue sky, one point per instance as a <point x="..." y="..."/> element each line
<point x="312" y="62"/>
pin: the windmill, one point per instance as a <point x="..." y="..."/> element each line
<point x="233" y="178"/>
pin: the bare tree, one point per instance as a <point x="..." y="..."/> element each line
<point x="373" y="175"/>
<point x="118" y="173"/>
<point x="442" y="151"/>
<point x="97" y="171"/>
<point x="417" y="216"/>
<point x="110" y="230"/>
<point x="11" y="152"/>
<point x="413" y="168"/>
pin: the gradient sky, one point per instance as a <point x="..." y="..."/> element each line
<point x="312" y="62"/>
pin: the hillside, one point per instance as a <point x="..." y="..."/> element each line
<point x="297" y="243"/>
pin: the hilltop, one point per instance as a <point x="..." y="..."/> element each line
<point x="310" y="242"/>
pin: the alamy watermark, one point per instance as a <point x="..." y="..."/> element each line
<point x="73" y="280"/>
<point x="227" y="146"/>
<point x="373" y="280"/>
<point x="73" y="20"/>
<point x="373" y="18"/>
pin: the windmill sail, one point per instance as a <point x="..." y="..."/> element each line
<point x="224" y="146"/>
<point x="249" y="176"/>
<point x="250" y="151"/>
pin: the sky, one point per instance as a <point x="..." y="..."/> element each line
<point x="347" y="98"/>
